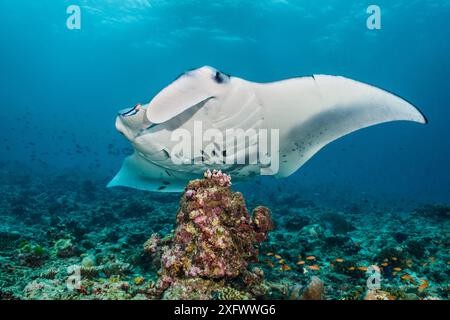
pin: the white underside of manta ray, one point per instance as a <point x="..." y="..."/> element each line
<point x="309" y="113"/>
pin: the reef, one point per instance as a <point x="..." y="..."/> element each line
<point x="205" y="244"/>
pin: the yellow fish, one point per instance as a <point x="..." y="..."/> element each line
<point x="314" y="267"/>
<point x="285" y="267"/>
<point x="424" y="284"/>
<point x="362" y="268"/>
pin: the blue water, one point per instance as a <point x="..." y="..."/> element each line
<point x="61" y="88"/>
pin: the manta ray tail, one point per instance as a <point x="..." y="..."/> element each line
<point x="314" y="111"/>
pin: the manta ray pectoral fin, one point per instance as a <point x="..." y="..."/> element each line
<point x="138" y="173"/>
<point x="320" y="109"/>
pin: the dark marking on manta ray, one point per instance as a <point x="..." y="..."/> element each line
<point x="168" y="173"/>
<point x="204" y="155"/>
<point x="166" y="183"/>
<point x="220" y="77"/>
<point x="166" y="153"/>
<point x="161" y="187"/>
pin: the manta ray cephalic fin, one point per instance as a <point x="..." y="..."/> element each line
<point x="138" y="173"/>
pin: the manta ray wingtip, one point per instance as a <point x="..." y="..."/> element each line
<point x="425" y="119"/>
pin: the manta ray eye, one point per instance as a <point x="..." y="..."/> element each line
<point x="220" y="77"/>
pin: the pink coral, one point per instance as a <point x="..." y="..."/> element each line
<point x="151" y="245"/>
<point x="218" y="176"/>
<point x="262" y="222"/>
<point x="189" y="193"/>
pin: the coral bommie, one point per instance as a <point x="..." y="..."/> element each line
<point x="215" y="235"/>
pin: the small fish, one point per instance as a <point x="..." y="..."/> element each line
<point x="277" y="256"/>
<point x="397" y="269"/>
<point x="285" y="267"/>
<point x="310" y="258"/>
<point x="407" y="277"/>
<point x="314" y="267"/>
<point x="394" y="258"/>
<point x="362" y="268"/>
<point x="424" y="284"/>
<point x="340" y="260"/>
<point x="384" y="264"/>
<point x="301" y="262"/>
<point x="351" y="268"/>
<point x="270" y="264"/>
<point x="281" y="261"/>
<point x="269" y="254"/>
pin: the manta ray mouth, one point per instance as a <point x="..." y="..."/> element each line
<point x="127" y="112"/>
<point x="131" y="121"/>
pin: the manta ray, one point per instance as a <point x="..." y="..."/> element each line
<point x="308" y="113"/>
